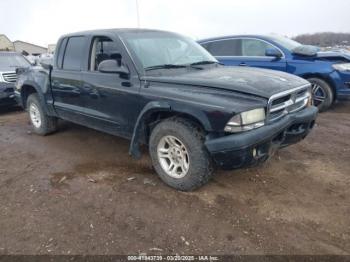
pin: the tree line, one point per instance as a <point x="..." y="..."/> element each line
<point x="324" y="39"/>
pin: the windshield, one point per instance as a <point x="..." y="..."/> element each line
<point x="161" y="48"/>
<point x="286" y="42"/>
<point x="13" y="60"/>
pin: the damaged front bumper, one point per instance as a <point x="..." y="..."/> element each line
<point x="252" y="147"/>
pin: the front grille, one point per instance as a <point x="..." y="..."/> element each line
<point x="288" y="102"/>
<point x="10" y="77"/>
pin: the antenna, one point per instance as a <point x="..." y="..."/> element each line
<point x="138" y="13"/>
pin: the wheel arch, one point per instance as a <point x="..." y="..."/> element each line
<point x="327" y="79"/>
<point x="28" y="88"/>
<point x="153" y="113"/>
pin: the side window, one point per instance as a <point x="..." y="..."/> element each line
<point x="229" y="47"/>
<point x="254" y="47"/>
<point x="74" y="53"/>
<point x="103" y="48"/>
<point x="61" y="53"/>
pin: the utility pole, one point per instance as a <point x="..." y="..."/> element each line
<point x="138" y="13"/>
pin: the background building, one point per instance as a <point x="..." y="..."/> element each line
<point x="6" y="44"/>
<point x="28" y="48"/>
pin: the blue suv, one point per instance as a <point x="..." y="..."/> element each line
<point x="328" y="72"/>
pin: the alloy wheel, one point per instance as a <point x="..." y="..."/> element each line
<point x="173" y="156"/>
<point x="35" y="115"/>
<point x="318" y="94"/>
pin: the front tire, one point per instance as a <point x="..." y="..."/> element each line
<point x="178" y="154"/>
<point x="42" y="123"/>
<point x="322" y="94"/>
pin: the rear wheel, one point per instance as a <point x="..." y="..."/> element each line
<point x="322" y="93"/>
<point x="179" y="155"/>
<point x="42" y="123"/>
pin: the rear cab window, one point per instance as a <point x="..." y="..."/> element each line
<point x="74" y="54"/>
<point x="60" y="53"/>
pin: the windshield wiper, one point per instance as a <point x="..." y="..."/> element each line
<point x="204" y="63"/>
<point x="165" y="66"/>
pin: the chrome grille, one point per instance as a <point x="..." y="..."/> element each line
<point x="10" y="77"/>
<point x="288" y="102"/>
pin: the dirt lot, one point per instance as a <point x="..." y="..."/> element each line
<point x="78" y="192"/>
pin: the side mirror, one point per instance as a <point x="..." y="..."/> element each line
<point x="111" y="66"/>
<point x="46" y="65"/>
<point x="273" y="52"/>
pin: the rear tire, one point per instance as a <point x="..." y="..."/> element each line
<point x="178" y="154"/>
<point x="322" y="94"/>
<point x="42" y="123"/>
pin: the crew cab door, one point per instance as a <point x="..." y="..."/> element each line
<point x="111" y="99"/>
<point x="66" y="78"/>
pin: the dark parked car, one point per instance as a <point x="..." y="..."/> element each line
<point x="164" y="90"/>
<point x="9" y="62"/>
<point x="328" y="72"/>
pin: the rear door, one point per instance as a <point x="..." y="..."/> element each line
<point x="66" y="78"/>
<point x="226" y="51"/>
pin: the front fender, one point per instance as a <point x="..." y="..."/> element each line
<point x="150" y="108"/>
<point x="162" y="106"/>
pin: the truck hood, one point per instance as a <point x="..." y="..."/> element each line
<point x="253" y="81"/>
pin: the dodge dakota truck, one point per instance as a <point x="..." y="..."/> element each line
<point x="164" y="91"/>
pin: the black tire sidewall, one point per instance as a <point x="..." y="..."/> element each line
<point x="200" y="169"/>
<point x="43" y="129"/>
<point x="328" y="91"/>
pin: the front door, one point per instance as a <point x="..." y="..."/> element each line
<point x="111" y="99"/>
<point x="253" y="54"/>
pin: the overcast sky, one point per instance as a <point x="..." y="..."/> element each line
<point x="43" y="21"/>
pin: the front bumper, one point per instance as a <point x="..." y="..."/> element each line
<point x="341" y="82"/>
<point x="7" y="96"/>
<point x="252" y="147"/>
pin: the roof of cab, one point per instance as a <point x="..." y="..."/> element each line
<point x="113" y="31"/>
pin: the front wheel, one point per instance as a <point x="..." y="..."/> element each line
<point x="178" y="154"/>
<point x="322" y="94"/>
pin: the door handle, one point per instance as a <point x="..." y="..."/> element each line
<point x="243" y="64"/>
<point x="91" y="91"/>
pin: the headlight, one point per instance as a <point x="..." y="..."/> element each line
<point x="1" y="78"/>
<point x="342" y="67"/>
<point x="246" y="121"/>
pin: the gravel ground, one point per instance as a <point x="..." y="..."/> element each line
<point x="78" y="192"/>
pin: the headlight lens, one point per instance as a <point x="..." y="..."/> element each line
<point x="342" y="67"/>
<point x="1" y="78"/>
<point x="246" y="121"/>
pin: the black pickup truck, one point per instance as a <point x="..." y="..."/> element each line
<point x="165" y="91"/>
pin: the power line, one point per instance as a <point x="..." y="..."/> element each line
<point x="138" y="13"/>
